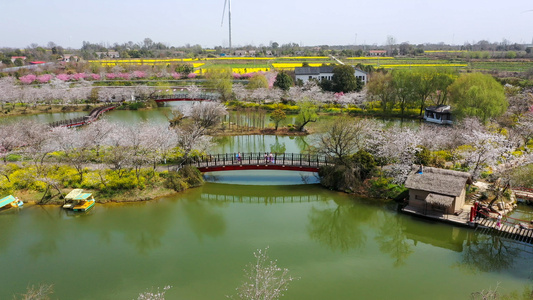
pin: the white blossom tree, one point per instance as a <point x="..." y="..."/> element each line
<point x="483" y="149"/>
<point x="395" y="147"/>
<point x="264" y="279"/>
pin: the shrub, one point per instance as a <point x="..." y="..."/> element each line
<point x="385" y="188"/>
<point x="175" y="182"/>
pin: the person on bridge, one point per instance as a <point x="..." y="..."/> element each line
<point x="271" y="158"/>
<point x="238" y="157"/>
<point x="266" y="158"/>
<point x="499" y="221"/>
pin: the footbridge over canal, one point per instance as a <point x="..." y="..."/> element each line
<point x="261" y="161"/>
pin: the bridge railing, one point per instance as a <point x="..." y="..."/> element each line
<point x="261" y="158"/>
<point x="202" y="96"/>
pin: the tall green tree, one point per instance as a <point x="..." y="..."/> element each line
<point x="381" y="88"/>
<point x="220" y="79"/>
<point x="277" y="116"/>
<point x="478" y="95"/>
<point x="283" y="81"/>
<point x="306" y="114"/>
<point x="344" y="79"/>
<point x="442" y="81"/>
<point x="404" y="84"/>
<point x="257" y="81"/>
<point x="430" y="81"/>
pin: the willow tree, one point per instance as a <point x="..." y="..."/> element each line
<point x="306" y="114"/>
<point x="220" y="79"/>
<point x="478" y="95"/>
<point x="381" y="88"/>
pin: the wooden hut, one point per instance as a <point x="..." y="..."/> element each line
<point x="437" y="190"/>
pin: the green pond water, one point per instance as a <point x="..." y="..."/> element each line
<point x="199" y="241"/>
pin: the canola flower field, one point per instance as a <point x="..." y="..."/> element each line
<point x="243" y="65"/>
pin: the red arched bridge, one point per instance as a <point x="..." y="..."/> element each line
<point x="261" y="161"/>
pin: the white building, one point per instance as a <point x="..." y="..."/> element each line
<point x="326" y="72"/>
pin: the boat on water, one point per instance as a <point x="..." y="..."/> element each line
<point x="440" y="114"/>
<point x="79" y="201"/>
<point x="10" y="202"/>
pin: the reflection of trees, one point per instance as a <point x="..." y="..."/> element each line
<point x="203" y="219"/>
<point x="392" y="239"/>
<point x="278" y="147"/>
<point x="340" y="227"/>
<point x="301" y="143"/>
<point x="488" y="253"/>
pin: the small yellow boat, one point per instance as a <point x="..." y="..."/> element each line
<point x="79" y="201"/>
<point x="10" y="201"/>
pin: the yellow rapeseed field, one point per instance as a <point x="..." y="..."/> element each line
<point x="249" y="70"/>
<point x="291" y="66"/>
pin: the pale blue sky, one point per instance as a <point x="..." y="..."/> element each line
<point x="311" y="22"/>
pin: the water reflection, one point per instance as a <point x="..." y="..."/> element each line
<point x="339" y="228"/>
<point x="259" y="195"/>
<point x="261" y="178"/>
<point x="278" y="147"/>
<point x="392" y="239"/>
<point x="203" y="219"/>
<point x="260" y="144"/>
<point x="436" y="234"/>
<point x="485" y="253"/>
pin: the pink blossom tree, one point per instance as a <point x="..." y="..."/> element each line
<point x="45" y="78"/>
<point x="125" y="76"/>
<point x="176" y="75"/>
<point x="28" y="79"/>
<point x="63" y="77"/>
<point x="191" y="75"/>
<point x="139" y="74"/>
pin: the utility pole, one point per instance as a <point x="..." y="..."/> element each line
<point x="229" y="17"/>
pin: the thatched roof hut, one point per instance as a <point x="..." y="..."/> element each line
<point x="441" y="189"/>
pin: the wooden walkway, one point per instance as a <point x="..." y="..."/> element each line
<point x="258" y="161"/>
<point x="506" y="231"/>
<point x="482" y="225"/>
<point x="93" y="116"/>
<point x="524" y="193"/>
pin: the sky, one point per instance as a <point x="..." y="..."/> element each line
<point x="309" y="23"/>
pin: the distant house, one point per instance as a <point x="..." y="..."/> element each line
<point x="13" y="58"/>
<point x="269" y="53"/>
<point x="440" y="114"/>
<point x="251" y="53"/>
<point x="326" y="72"/>
<point x="437" y="190"/>
<point x="240" y="53"/>
<point x="68" y="58"/>
<point x="377" y="52"/>
<point x="108" y="54"/>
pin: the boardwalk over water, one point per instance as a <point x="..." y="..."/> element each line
<point x="511" y="228"/>
<point x="525" y="194"/>
<point x="91" y="117"/>
<point x="506" y="230"/>
<point x="261" y="161"/>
